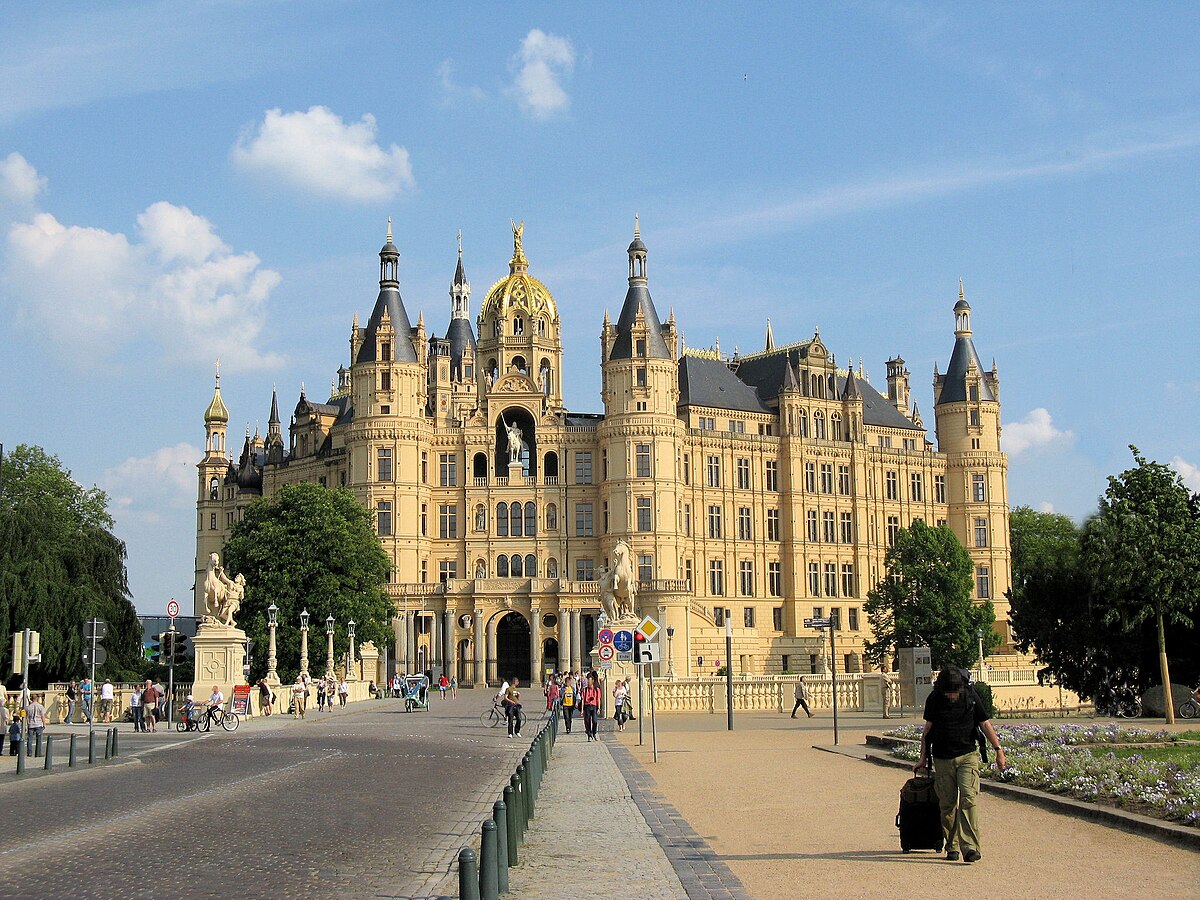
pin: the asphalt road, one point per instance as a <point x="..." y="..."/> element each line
<point x="366" y="802"/>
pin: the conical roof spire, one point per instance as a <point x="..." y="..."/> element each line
<point x="638" y="309"/>
<point x="852" y="390"/>
<point x="273" y="421"/>
<point x="770" y="337"/>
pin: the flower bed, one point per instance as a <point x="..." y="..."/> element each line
<point x="1057" y="759"/>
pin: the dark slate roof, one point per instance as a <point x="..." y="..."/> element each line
<point x="954" y="385"/>
<point x="583" y="418"/>
<point x="460" y="336"/>
<point x="343" y="407"/>
<point x="878" y="410"/>
<point x="402" y="350"/>
<point x="851" y="390"/>
<point x="768" y="371"/>
<point x="710" y="382"/>
<point x="460" y="277"/>
<point x="274" y="419"/>
<point x="638" y="298"/>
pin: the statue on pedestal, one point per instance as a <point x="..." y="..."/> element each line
<point x="515" y="442"/>
<point x="618" y="585"/>
<point x="222" y="595"/>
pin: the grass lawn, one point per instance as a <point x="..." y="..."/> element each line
<point x="1186" y="756"/>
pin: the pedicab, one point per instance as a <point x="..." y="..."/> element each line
<point x="415" y="689"/>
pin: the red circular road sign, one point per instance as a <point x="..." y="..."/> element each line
<point x="173" y="608"/>
<point x="606" y="652"/>
<point x="606" y="636"/>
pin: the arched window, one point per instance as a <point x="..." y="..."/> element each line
<point x="518" y="363"/>
<point x="214" y="489"/>
<point x="514" y="518"/>
<point x="541" y="327"/>
<point x="803" y="423"/>
<point x="835" y="427"/>
<point x="831" y="385"/>
<point x="502" y="520"/>
<point x="531" y="566"/>
<point x="819" y="425"/>
<point x="498" y="328"/>
<point x="552" y="568"/>
<point x="530" y="519"/>
<point x="551" y="517"/>
<point x="518" y="325"/>
<point x="501" y="566"/>
<point x="514" y="566"/>
<point x="816" y="384"/>
<point x="479" y="465"/>
<point x="550" y="465"/>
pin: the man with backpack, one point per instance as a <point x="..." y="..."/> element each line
<point x="953" y="714"/>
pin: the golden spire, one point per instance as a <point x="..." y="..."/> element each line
<point x="217" y="411"/>
<point x="518" y="260"/>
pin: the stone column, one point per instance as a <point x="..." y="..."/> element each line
<point x="576" y="635"/>
<point x="479" y="676"/>
<point x="492" y="665"/>
<point x="411" y="660"/>
<point x="400" y="629"/>
<point x="435" y="647"/>
<point x="535" y="646"/>
<point x="564" y="639"/>
<point x="448" y="648"/>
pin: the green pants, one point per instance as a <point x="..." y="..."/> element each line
<point x="957" y="784"/>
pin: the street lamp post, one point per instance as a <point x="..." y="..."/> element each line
<point x="329" y="639"/>
<point x="350" y="657"/>
<point x="670" y="655"/>
<point x="272" y="622"/>
<point x="304" y="642"/>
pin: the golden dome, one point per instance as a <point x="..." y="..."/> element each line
<point x="216" y="412"/>
<point x="518" y="291"/>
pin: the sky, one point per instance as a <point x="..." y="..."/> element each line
<point x="181" y="183"/>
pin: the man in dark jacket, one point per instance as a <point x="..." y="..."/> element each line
<point x="953" y="712"/>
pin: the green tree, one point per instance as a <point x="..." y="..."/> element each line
<point x="309" y="548"/>
<point x="1041" y="542"/>
<point x="926" y="600"/>
<point x="60" y="565"/>
<point x="1142" y="551"/>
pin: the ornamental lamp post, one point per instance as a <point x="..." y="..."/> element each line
<point x="329" y="639"/>
<point x="670" y="656"/>
<point x="304" y="643"/>
<point x="350" y="656"/>
<point x="272" y="622"/>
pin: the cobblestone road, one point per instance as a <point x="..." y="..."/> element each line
<point x="367" y="802"/>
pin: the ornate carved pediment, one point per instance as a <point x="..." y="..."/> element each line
<point x="515" y="383"/>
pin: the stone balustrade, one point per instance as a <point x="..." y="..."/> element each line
<point x="775" y="693"/>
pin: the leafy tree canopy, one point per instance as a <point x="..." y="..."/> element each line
<point x="60" y="565"/>
<point x="926" y="600"/>
<point x="1041" y="542"/>
<point x="309" y="548"/>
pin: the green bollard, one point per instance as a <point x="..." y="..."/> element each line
<point x="523" y="787"/>
<point x="37" y="745"/>
<point x="71" y="753"/>
<point x="91" y="747"/>
<point x="108" y="736"/>
<point x="115" y="738"/>
<point x="468" y="875"/>
<point x="49" y="764"/>
<point x="511" y="822"/>
<point x="515" y="806"/>
<point x="500" y="817"/>
<point x="489" y="888"/>
<point x="21" y="750"/>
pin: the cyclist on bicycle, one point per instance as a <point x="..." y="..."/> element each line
<point x="215" y="701"/>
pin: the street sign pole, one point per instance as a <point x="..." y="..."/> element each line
<point x="729" y="667"/>
<point x="641" y="713"/>
<point x="833" y="670"/>
<point x="171" y="674"/>
<point x="653" y="727"/>
<point x="95" y="691"/>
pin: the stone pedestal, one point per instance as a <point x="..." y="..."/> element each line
<point x="220" y="658"/>
<point x="874" y="686"/>
<point x="370" y="662"/>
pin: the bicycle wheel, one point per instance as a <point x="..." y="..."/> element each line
<point x="1189" y="709"/>
<point x="489" y="718"/>
<point x="181" y="725"/>
<point x="230" y="721"/>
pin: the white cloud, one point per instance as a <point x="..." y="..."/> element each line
<point x="1189" y="473"/>
<point x="318" y="153"/>
<point x="19" y="181"/>
<point x="541" y="63"/>
<point x="143" y="488"/>
<point x="92" y="291"/>
<point x="1035" y="430"/>
<point x="1046" y="506"/>
<point x="452" y="91"/>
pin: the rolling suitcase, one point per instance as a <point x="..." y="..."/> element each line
<point x="919" y="818"/>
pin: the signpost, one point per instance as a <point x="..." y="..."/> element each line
<point x="172" y="611"/>
<point x="828" y="623"/>
<point x="94" y="630"/>
<point x="606" y="653"/>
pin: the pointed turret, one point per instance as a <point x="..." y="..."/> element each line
<point x="459" y="333"/>
<point x="963" y="359"/>
<point x="770" y="345"/>
<point x="389" y="303"/>
<point x="791" y="384"/>
<point x="851" y="391"/>
<point x="638" y="310"/>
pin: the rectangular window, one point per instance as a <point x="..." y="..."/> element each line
<point x="448" y="521"/>
<point x="737" y="427"/>
<point x="835" y="619"/>
<point x="814" y="583"/>
<point x="719" y="616"/>
<point x="981" y="532"/>
<point x="713" y="471"/>
<point x="448" y="470"/>
<point x="383" y="464"/>
<point x="584" y="526"/>
<point x="604" y="465"/>
<point x="844" y="480"/>
<point x="939" y="488"/>
<point x="585" y="570"/>
<point x="893" y="530"/>
<point x="746" y="580"/>
<point x="828" y="527"/>
<point x="849" y="588"/>
<point x="909" y="443"/>
<point x="687" y="572"/>
<point x="645" y="568"/>
<point x="826" y="478"/>
<point x="813" y="529"/>
<point x="983" y="583"/>
<point x="743" y="474"/>
<point x="775" y="581"/>
<point x="743" y="526"/>
<point x="447" y="569"/>
<point x="847" y="524"/>
<point x="892" y="486"/>
<point x="383" y="517"/>
<point x="772" y="476"/>
<point x="687" y="519"/>
<point x="708" y="424"/>
<point x="385" y="380"/>
<point x="916" y="488"/>
<point x="777" y="624"/>
<point x="641" y="377"/>
<point x="643" y="460"/>
<point x="852" y="613"/>
<point x="810" y="477"/>
<point x="424" y="577"/>
<point x="831" y="579"/>
<point x="212" y="521"/>
<point x="748" y="616"/>
<point x="818" y="612"/>
<point x="716" y="578"/>
<point x="643" y="514"/>
<point x="424" y="520"/>
<point x="583" y="467"/>
<point x="772" y="524"/>
<point x="424" y="467"/>
<point x="885" y="441"/>
<point x="605" y="515"/>
<point x="714" y="521"/>
<point x="687" y="468"/>
<point x="979" y="488"/>
<point x="975" y="417"/>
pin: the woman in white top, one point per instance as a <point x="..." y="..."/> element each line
<point x="620" y="693"/>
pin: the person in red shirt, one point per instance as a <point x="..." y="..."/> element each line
<point x="591" y="705"/>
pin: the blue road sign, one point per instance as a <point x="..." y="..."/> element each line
<point x="623" y="641"/>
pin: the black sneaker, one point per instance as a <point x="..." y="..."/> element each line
<point x="971" y="855"/>
<point x="952" y="855"/>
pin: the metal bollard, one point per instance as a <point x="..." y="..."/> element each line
<point x="37" y="745"/>
<point x="91" y="747"/>
<point x="21" y="750"/>
<point x="500" y="817"/>
<point x="489" y="888"/>
<point x="49" y="764"/>
<point x="518" y="808"/>
<point x="115" y="733"/>
<point x="71" y="753"/>
<point x="108" y="738"/>
<point x="468" y="875"/>
<point x="523" y="788"/>
<point x="511" y="821"/>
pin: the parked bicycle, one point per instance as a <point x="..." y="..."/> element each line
<point x="1120" y="702"/>
<point x="1190" y="708"/>
<point x="495" y="715"/>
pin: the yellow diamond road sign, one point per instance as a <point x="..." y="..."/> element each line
<point x="649" y="628"/>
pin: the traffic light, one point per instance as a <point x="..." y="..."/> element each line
<point x="639" y="647"/>
<point x="181" y="649"/>
<point x="167" y="642"/>
<point x="153" y="650"/>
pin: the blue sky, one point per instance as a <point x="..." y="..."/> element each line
<point x="182" y="182"/>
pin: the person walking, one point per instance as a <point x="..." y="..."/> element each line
<point x="591" y="705"/>
<point x="343" y="693"/>
<point x="321" y="696"/>
<point x="35" y="715"/>
<point x="108" y="696"/>
<point x="265" y="697"/>
<point x="443" y="685"/>
<point x="567" y="701"/>
<point x="512" y="707"/>
<point x="453" y="686"/>
<point x="72" y="697"/>
<point x="801" y="698"/>
<point x="86" y="692"/>
<point x="150" y="697"/>
<point x="5" y="721"/>
<point x="299" y="695"/>
<point x="620" y="696"/>
<point x="953" y="713"/>
<point x="135" y="707"/>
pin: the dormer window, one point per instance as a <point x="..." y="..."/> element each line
<point x="974" y="393"/>
<point x="641" y="347"/>
<point x="385" y="351"/>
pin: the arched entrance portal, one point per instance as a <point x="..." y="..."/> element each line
<point x="512" y="648"/>
<point x="549" y="656"/>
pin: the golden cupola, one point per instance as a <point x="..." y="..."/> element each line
<point x="519" y="293"/>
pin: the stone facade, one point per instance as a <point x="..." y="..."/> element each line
<point x="765" y="487"/>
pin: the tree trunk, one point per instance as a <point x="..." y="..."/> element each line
<point x="1168" y="700"/>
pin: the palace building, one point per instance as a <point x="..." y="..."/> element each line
<point x="761" y="488"/>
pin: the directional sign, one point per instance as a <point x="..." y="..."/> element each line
<point x="817" y="623"/>
<point x="623" y="641"/>
<point x="624" y="656"/>
<point x="100" y="657"/>
<point x="173" y="608"/>
<point x="650" y="653"/>
<point x="101" y="629"/>
<point x="606" y="636"/>
<point x="649" y="628"/>
<point x="606" y="652"/>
